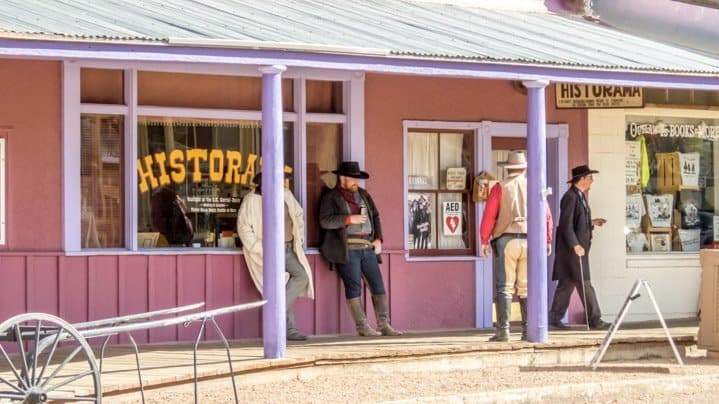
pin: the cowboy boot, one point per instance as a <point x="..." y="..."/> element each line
<point x="363" y="329"/>
<point x="381" y="310"/>
<point x="523" y="310"/>
<point x="503" y="309"/>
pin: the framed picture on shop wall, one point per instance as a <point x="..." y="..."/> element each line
<point x="660" y="242"/>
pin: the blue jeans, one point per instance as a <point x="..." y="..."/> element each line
<point x="361" y="263"/>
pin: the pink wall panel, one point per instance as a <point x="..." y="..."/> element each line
<point x="329" y="299"/>
<point x="247" y="324"/>
<point x="220" y="292"/>
<point x="103" y="288"/>
<point x="42" y="284"/>
<point x="190" y="288"/>
<point x="162" y="292"/>
<point x="12" y="287"/>
<point x="432" y="295"/>
<point x="33" y="112"/>
<point x="132" y="280"/>
<point x="73" y="283"/>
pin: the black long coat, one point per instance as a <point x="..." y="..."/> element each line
<point x="575" y="227"/>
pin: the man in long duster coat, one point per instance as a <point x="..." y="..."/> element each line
<point x="574" y="239"/>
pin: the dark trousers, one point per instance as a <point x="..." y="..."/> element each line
<point x="560" y="303"/>
<point x="361" y="263"/>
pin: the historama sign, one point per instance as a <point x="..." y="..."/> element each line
<point x="592" y="96"/>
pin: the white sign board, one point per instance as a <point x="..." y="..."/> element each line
<point x="452" y="218"/>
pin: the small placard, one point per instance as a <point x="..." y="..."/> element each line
<point x="456" y="178"/>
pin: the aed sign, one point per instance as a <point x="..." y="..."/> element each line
<point x="594" y="96"/>
<point x="452" y="215"/>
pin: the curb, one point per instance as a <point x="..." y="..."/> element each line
<point x="576" y="391"/>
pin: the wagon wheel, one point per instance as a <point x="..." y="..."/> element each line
<point x="48" y="361"/>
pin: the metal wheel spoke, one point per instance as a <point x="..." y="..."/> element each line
<point x="50" y="354"/>
<point x="65" y="399"/>
<point x="23" y="355"/>
<point x="34" y="357"/>
<point x="70" y="380"/>
<point x="12" y="396"/>
<point x="13" y="368"/>
<point x="62" y="365"/>
<point x="16" y="388"/>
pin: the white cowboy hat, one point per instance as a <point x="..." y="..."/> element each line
<point x="515" y="159"/>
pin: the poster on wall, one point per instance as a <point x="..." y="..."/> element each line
<point x="636" y="241"/>
<point x="632" y="152"/>
<point x="634" y="207"/>
<point x="689" y="204"/>
<point x="715" y="226"/>
<point x="420" y="220"/>
<point x="452" y="218"/>
<point x="689" y="163"/>
<point x="660" y="242"/>
<point x="660" y="208"/>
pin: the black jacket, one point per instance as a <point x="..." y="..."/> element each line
<point x="575" y="227"/>
<point x="333" y="215"/>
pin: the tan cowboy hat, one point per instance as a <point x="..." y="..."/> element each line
<point x="515" y="159"/>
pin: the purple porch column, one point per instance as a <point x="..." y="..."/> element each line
<point x="273" y="258"/>
<point x="537" y="330"/>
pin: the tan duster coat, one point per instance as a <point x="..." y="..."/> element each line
<point x="249" y="228"/>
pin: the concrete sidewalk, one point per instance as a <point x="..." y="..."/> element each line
<point x="164" y="365"/>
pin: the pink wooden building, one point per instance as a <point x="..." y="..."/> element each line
<point x="86" y="105"/>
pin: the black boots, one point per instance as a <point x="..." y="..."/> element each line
<point x="381" y="309"/>
<point x="523" y="310"/>
<point x="503" y="308"/>
<point x="363" y="329"/>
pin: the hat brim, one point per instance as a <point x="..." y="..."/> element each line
<point x="512" y="166"/>
<point x="361" y="175"/>
<point x="583" y="175"/>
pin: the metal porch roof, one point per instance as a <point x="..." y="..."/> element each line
<point x="395" y="28"/>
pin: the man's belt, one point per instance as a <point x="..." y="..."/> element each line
<point x="359" y="243"/>
<point x="513" y="235"/>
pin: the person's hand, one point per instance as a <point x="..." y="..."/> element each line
<point x="377" y="246"/>
<point x="579" y="250"/>
<point x="486" y="251"/>
<point x="358" y="219"/>
<point x="599" y="221"/>
<point x="549" y="250"/>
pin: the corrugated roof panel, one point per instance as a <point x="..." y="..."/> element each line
<point x="403" y="27"/>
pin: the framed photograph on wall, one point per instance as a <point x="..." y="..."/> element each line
<point x="660" y="242"/>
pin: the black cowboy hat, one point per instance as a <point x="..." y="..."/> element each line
<point x="581" y="171"/>
<point x="351" y="169"/>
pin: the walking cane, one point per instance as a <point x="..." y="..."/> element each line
<point x="584" y="291"/>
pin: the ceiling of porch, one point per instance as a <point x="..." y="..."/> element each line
<point x="393" y="28"/>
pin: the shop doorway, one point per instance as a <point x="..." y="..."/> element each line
<point x="498" y="139"/>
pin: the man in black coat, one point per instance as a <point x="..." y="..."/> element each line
<point x="352" y="241"/>
<point x="574" y="239"/>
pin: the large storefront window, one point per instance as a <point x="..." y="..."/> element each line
<point x="192" y="175"/>
<point x="101" y="181"/>
<point x="671" y="187"/>
<point x="440" y="218"/>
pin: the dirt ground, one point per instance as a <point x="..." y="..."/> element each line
<point x="546" y="384"/>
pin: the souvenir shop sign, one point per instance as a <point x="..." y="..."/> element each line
<point x="226" y="166"/>
<point x="592" y="96"/>
<point x="676" y="130"/>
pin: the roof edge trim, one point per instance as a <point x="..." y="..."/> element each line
<point x="268" y="45"/>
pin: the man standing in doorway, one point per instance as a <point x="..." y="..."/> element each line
<point x="352" y="242"/>
<point x="574" y="239"/>
<point x="505" y="221"/>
